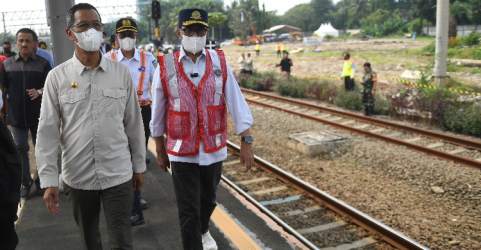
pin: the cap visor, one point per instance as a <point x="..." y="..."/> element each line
<point x="121" y="29"/>
<point x="187" y="23"/>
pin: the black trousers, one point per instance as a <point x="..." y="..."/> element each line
<point x="348" y="83"/>
<point x="10" y="179"/>
<point x="257" y="52"/>
<point x="195" y="189"/>
<point x="279" y="53"/>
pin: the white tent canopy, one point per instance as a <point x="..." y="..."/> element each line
<point x="326" y="29"/>
<point x="282" y="27"/>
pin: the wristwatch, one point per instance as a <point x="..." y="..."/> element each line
<point x="247" y="139"/>
<point x="39" y="92"/>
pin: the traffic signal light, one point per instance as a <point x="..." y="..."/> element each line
<point x="155" y="10"/>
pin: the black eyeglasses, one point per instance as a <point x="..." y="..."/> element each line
<point x="191" y="32"/>
<point x="84" y="26"/>
<point x="122" y="35"/>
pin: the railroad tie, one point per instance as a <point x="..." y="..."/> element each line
<point x="362" y="126"/>
<point x="266" y="191"/>
<point x="415" y="139"/>
<point x="231" y="163"/>
<point x="252" y="181"/>
<point x="394" y="134"/>
<point x="348" y="122"/>
<point x="324" y="116"/>
<point x="435" y="145"/>
<point x="280" y="201"/>
<point x="354" y="245"/>
<point x="324" y="227"/>
<point x="377" y="130"/>
<point x="298" y="211"/>
<point x="457" y="151"/>
<point x="313" y="112"/>
<point x="336" y="119"/>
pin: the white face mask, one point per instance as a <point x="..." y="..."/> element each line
<point x="193" y="44"/>
<point x="127" y="43"/>
<point x="89" y="40"/>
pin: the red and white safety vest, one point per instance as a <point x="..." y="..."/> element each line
<point x="140" y="88"/>
<point x="192" y="113"/>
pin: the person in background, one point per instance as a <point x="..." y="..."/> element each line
<point x="193" y="115"/>
<point x="7" y="50"/>
<point x="113" y="46"/>
<point x="142" y="67"/>
<point x="278" y="48"/>
<point x="242" y="61"/>
<point x="348" y="72"/>
<point x="368" y="81"/>
<point x="22" y="77"/>
<point x="43" y="52"/>
<point x="258" y="48"/>
<point x="10" y="179"/>
<point x="284" y="49"/>
<point x="249" y="64"/>
<point x="91" y="109"/>
<point x="42" y="45"/>
<point x="286" y="65"/>
<point x="105" y="47"/>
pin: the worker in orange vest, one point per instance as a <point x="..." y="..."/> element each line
<point x="278" y="48"/>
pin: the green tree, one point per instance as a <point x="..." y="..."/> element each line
<point x="214" y="19"/>
<point x="340" y="17"/>
<point x="423" y="9"/>
<point x="377" y="17"/>
<point x="322" y="11"/>
<point x="460" y="10"/>
<point x="360" y="9"/>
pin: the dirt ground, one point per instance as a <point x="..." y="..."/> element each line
<point x="389" y="58"/>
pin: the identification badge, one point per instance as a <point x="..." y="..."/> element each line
<point x="142" y="68"/>
<point x="218" y="73"/>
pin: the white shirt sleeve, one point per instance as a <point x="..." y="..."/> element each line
<point x="236" y="103"/>
<point x="157" y="122"/>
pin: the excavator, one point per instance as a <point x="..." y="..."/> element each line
<point x="249" y="39"/>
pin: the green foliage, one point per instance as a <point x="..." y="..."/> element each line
<point x="258" y="81"/>
<point x="451" y="67"/>
<point x="350" y="100"/>
<point x="472" y="39"/>
<point x="431" y="48"/>
<point x="464" y="118"/>
<point x="392" y="26"/>
<point x="474" y="71"/>
<point x="382" y="105"/>
<point x="296" y="87"/>
<point x="415" y="26"/>
<point x="377" y="17"/>
<point x="360" y="9"/>
<point x="328" y="37"/>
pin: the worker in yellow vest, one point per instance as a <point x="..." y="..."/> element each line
<point x="348" y="72"/>
<point x="278" y="49"/>
<point x="258" y="48"/>
<point x="284" y="49"/>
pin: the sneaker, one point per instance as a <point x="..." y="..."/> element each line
<point x="25" y="190"/>
<point x="208" y="242"/>
<point x="143" y="203"/>
<point x="147" y="160"/>
<point x="136" y="220"/>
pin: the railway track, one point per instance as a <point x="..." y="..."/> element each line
<point x="446" y="147"/>
<point x="322" y="220"/>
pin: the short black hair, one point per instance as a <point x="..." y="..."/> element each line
<point x="80" y="6"/>
<point x="105" y="34"/>
<point x="367" y="64"/>
<point x="27" y="31"/>
<point x="346" y="54"/>
<point x="7" y="42"/>
<point x="248" y="54"/>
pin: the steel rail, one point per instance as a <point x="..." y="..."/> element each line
<point x="469" y="144"/>
<point x="349" y="213"/>
<point x="432" y="152"/>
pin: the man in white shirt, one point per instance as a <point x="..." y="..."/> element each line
<point x="104" y="47"/>
<point x="242" y="62"/>
<point x="142" y="68"/>
<point x="191" y="91"/>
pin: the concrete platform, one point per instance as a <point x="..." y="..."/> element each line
<point x="38" y="229"/>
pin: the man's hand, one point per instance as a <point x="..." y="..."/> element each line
<point x="138" y="181"/>
<point x="163" y="160"/>
<point x="51" y="193"/>
<point x="373" y="92"/>
<point x="246" y="156"/>
<point x="33" y="94"/>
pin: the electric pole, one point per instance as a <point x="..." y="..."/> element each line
<point x="63" y="48"/>
<point x="442" y="23"/>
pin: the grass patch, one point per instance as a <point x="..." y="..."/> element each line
<point x="474" y="71"/>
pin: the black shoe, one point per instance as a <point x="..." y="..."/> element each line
<point x="136" y="220"/>
<point x="25" y="190"/>
<point x="40" y="191"/>
<point x="143" y="203"/>
<point x="147" y="160"/>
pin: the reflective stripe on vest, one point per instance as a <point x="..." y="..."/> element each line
<point x="347" y="67"/>
<point x="140" y="88"/>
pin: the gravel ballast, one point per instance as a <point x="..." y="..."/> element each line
<point x="434" y="202"/>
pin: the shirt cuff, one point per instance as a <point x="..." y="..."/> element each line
<point x="157" y="131"/>
<point x="47" y="181"/>
<point x="243" y="126"/>
<point x="139" y="167"/>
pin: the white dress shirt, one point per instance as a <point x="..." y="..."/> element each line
<point x="236" y="103"/>
<point x="134" y="67"/>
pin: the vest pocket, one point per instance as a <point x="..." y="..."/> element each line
<point x="114" y="101"/>
<point x="179" y="125"/>
<point x="73" y="104"/>
<point x="217" y="119"/>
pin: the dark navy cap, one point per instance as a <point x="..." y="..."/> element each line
<point x="112" y="39"/>
<point x="125" y="24"/>
<point x="192" y="16"/>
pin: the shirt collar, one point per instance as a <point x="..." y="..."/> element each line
<point x="182" y="53"/>
<point x="33" y="56"/>
<point x="120" y="55"/>
<point x="79" y="67"/>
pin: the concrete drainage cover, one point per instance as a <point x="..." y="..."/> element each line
<point x="315" y="143"/>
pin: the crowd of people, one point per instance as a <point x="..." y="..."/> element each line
<point x="97" y="111"/>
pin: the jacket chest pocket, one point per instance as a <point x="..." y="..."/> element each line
<point x="114" y="102"/>
<point x="74" y="105"/>
<point x="217" y="119"/>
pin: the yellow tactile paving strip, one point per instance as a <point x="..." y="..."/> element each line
<point x="225" y="223"/>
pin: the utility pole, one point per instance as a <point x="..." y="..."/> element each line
<point x="3" y="19"/>
<point x="442" y="23"/>
<point x="63" y="48"/>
